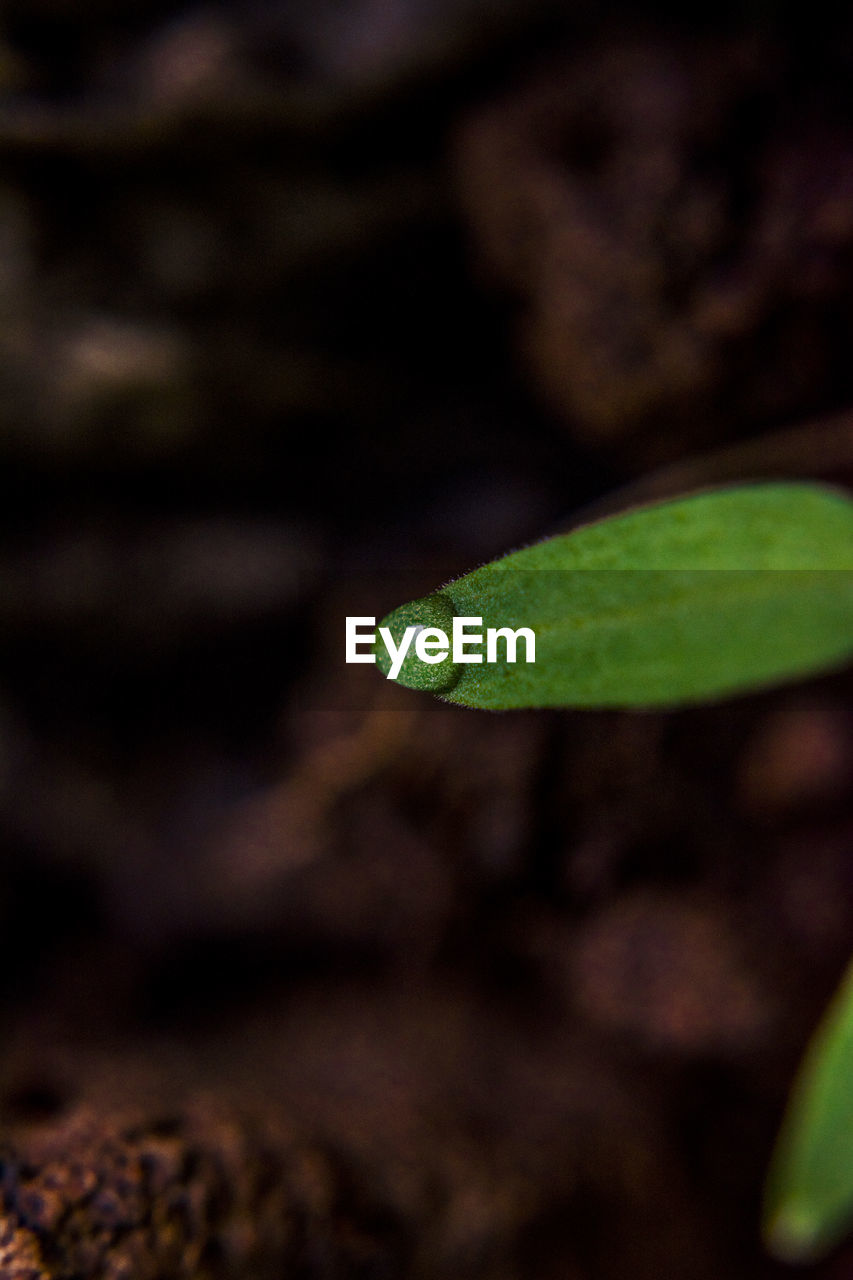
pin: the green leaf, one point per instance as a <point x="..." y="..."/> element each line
<point x="808" y="1203"/>
<point x="686" y="600"/>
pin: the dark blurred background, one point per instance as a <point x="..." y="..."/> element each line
<point x="304" y="309"/>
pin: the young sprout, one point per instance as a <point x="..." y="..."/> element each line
<point x="697" y="598"/>
<point x="808" y="1199"/>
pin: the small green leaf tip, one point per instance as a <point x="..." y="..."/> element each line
<point x="432" y="611"/>
<point x="808" y="1197"/>
<point x="794" y="1234"/>
<point x="698" y="598"/>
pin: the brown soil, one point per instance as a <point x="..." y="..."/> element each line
<point x="303" y="311"/>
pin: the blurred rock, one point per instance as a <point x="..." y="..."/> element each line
<point x="677" y="239"/>
<point x="800" y="755"/>
<point x="671" y="974"/>
<point x="152" y="584"/>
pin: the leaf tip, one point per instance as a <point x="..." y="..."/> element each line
<point x="793" y="1233"/>
<point x="423" y="614"/>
